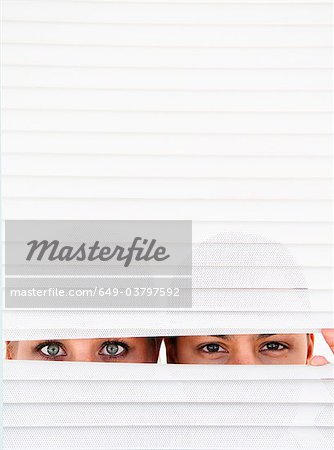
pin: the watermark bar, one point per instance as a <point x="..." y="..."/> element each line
<point x="98" y="264"/>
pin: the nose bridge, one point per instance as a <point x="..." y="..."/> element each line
<point x="243" y="353"/>
<point x="81" y="351"/>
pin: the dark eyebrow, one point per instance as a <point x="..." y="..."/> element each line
<point x="260" y="336"/>
<point x="228" y="336"/>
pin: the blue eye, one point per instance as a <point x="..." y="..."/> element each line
<point x="113" y="349"/>
<point x="52" y="350"/>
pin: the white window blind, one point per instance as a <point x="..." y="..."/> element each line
<point x="214" y="111"/>
<point x="148" y="406"/>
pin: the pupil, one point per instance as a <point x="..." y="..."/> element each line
<point x="273" y="346"/>
<point x="213" y="348"/>
<point x="112" y="349"/>
<point x="53" y="349"/>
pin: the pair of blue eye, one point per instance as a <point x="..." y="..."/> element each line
<point x="54" y="349"/>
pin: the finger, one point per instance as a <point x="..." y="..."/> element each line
<point x="318" y="361"/>
<point x="328" y="334"/>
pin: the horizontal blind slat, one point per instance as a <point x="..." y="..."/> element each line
<point x="167" y="122"/>
<point x="169" y="12"/>
<point x="57" y="324"/>
<point x="285" y="232"/>
<point x="72" y="56"/>
<point x="165" y="166"/>
<point x="168" y="437"/>
<point x="264" y="145"/>
<point x="167" y="35"/>
<point x="166" y="79"/>
<point x="226" y="254"/>
<point x="206" y="300"/>
<point x="236" y="211"/>
<point x="43" y="370"/>
<point x="193" y="2"/>
<point x="243" y="391"/>
<point x="176" y="414"/>
<point x="141" y="188"/>
<point x="176" y="102"/>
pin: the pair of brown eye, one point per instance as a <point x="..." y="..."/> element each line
<point x="54" y="349"/>
<point x="270" y="346"/>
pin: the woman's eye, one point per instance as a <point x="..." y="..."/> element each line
<point x="113" y="349"/>
<point x="213" y="348"/>
<point x="273" y="347"/>
<point x="52" y="350"/>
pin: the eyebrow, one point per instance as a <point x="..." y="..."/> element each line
<point x="260" y="336"/>
<point x="228" y="336"/>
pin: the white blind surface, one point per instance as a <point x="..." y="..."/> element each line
<point x="217" y="111"/>
<point x="214" y="111"/>
<point x="54" y="324"/>
<point x="109" y="406"/>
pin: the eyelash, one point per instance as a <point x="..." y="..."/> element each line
<point x="285" y="347"/>
<point x="221" y="349"/>
<point x="121" y="355"/>
<point x="262" y="349"/>
<point x="46" y="343"/>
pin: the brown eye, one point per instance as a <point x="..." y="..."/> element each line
<point x="273" y="347"/>
<point x="212" y="348"/>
